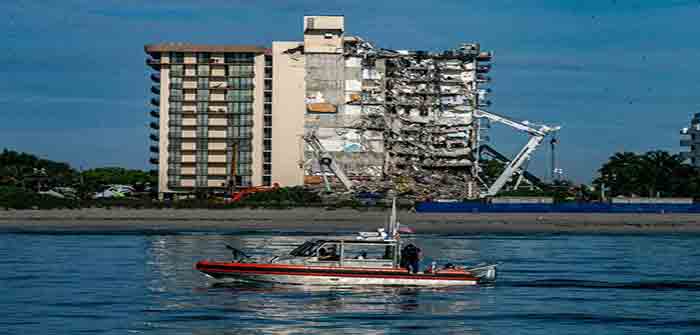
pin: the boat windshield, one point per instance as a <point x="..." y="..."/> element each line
<point x="307" y="249"/>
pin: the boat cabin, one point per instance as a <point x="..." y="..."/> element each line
<point x="346" y="253"/>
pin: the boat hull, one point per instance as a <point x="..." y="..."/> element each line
<point x="304" y="275"/>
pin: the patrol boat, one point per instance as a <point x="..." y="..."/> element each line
<point x="371" y="258"/>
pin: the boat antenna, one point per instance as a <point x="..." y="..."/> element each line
<point x="393" y="221"/>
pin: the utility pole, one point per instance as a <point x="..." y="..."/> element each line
<point x="553" y="169"/>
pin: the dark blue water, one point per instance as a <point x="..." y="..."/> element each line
<point x="549" y="284"/>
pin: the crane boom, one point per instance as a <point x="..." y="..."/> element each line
<point x="537" y="135"/>
<point x="326" y="160"/>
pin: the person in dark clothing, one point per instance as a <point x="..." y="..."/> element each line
<point x="410" y="258"/>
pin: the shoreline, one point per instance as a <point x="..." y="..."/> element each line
<point x="316" y="220"/>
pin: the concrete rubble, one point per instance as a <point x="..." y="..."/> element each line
<point x="401" y="120"/>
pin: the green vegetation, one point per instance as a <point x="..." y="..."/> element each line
<point x="655" y="173"/>
<point x="24" y="178"/>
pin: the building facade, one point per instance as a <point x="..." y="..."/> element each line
<point x="690" y="138"/>
<point x="237" y="116"/>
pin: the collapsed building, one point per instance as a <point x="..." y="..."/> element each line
<point x="333" y="111"/>
<point x="394" y="119"/>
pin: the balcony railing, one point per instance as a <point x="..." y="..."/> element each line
<point x="155" y="89"/>
<point x="154" y="63"/>
<point x="154" y="137"/>
<point x="154" y="149"/>
<point x="153" y="160"/>
<point x="155" y="102"/>
<point x="154" y="125"/>
<point x="155" y="77"/>
<point x="154" y="113"/>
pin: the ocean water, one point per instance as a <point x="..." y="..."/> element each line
<point x="548" y="284"/>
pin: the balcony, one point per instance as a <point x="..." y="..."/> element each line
<point x="483" y="68"/>
<point x="153" y="137"/>
<point x="483" y="79"/>
<point x="155" y="102"/>
<point x="154" y="149"/>
<point x="484" y="56"/>
<point x="154" y="125"/>
<point x="155" y="89"/>
<point x="154" y="63"/>
<point x="154" y="113"/>
<point x="155" y="77"/>
<point x="153" y="160"/>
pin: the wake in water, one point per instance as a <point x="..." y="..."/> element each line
<point x="644" y="285"/>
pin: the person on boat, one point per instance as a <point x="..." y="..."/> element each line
<point x="362" y="255"/>
<point x="410" y="258"/>
<point x="331" y="255"/>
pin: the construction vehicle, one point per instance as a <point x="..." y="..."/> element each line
<point x="327" y="162"/>
<point x="537" y="134"/>
<point x="241" y="194"/>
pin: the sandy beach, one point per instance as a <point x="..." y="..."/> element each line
<point x="320" y="220"/>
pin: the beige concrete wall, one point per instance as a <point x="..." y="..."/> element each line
<point x="217" y="146"/>
<point x="216" y="183"/>
<point x="189" y="121"/>
<point x="216" y="158"/>
<point x="219" y="171"/>
<point x="187" y="170"/>
<point x="189" y="134"/>
<point x="287" y="114"/>
<point x="217" y="134"/>
<point x="258" y="111"/>
<point x="188" y="159"/>
<point x="217" y="121"/>
<point x="323" y="34"/>
<point x="187" y="182"/>
<point x="189" y="146"/>
<point x="218" y="70"/>
<point x="324" y="22"/>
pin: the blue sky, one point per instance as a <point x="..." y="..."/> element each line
<point x="617" y="75"/>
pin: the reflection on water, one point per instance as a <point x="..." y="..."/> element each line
<point x="548" y="284"/>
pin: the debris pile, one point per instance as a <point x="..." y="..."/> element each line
<point x="406" y="123"/>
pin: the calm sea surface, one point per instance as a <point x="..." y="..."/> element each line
<point x="548" y="284"/>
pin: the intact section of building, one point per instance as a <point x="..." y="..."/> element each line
<point x="208" y="104"/>
<point x="690" y="138"/>
<point x="231" y="116"/>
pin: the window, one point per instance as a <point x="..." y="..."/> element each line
<point x="176" y="70"/>
<point x="240" y="83"/>
<point x="202" y="94"/>
<point x="176" y="82"/>
<point x="267" y="168"/>
<point x="268" y="97"/>
<point x="175" y="94"/>
<point x="203" y="57"/>
<point x="203" y="70"/>
<point x="238" y="95"/>
<point x="239" y="57"/>
<point x="240" y="70"/>
<point x="203" y="83"/>
<point x="267" y="180"/>
<point x="268" y="121"/>
<point x="268" y="85"/>
<point x="177" y="57"/>
<point x="268" y="60"/>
